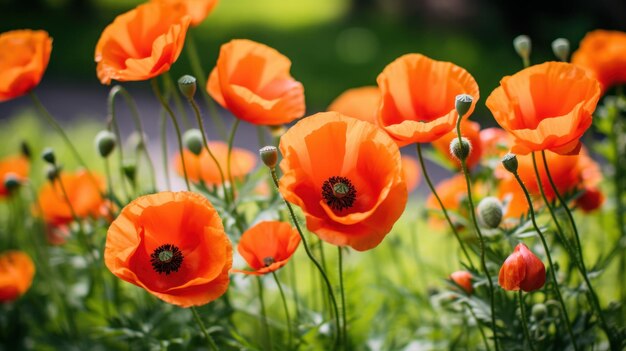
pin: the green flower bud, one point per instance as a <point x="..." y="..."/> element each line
<point x="193" y="141"/>
<point x="130" y="170"/>
<point x="105" y="143"/>
<point x="52" y="172"/>
<point x="490" y="212"/>
<point x="460" y="149"/>
<point x="11" y="182"/>
<point x="509" y="161"/>
<point x="187" y="85"/>
<point x="560" y="48"/>
<point x="522" y="45"/>
<point x="269" y="155"/>
<point x="25" y="149"/>
<point x="463" y="103"/>
<point x="539" y="311"/>
<point x="48" y="155"/>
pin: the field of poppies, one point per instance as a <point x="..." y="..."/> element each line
<point x="317" y="240"/>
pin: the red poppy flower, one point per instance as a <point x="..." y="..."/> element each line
<point x="361" y="103"/>
<point x="17" y="166"/>
<point x="347" y="177"/>
<point x="469" y="130"/>
<point x="85" y="198"/>
<point x="464" y="280"/>
<point x="252" y="81"/>
<point x="522" y="270"/>
<point x="203" y="168"/>
<point x="603" y="54"/>
<point x="16" y="275"/>
<point x="267" y="246"/>
<point x="24" y="56"/>
<point x="173" y="245"/>
<point x="141" y="43"/>
<point x="418" y="98"/>
<point x="545" y="107"/>
<point x="198" y="10"/>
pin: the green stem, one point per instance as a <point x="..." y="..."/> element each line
<point x="282" y="296"/>
<point x="231" y="182"/>
<point x="480" y="329"/>
<point x="522" y="308"/>
<point x="157" y="92"/>
<point x="207" y="336"/>
<point x="344" y="331"/>
<point x="164" y="155"/>
<point x="174" y="93"/>
<point x="593" y="297"/>
<point x="443" y="208"/>
<point x="314" y="260"/>
<point x="266" y="326"/>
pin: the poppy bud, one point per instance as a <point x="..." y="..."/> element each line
<point x="135" y="141"/>
<point x="25" y="149"/>
<point x="490" y="212"/>
<point x="130" y="169"/>
<point x="48" y="155"/>
<point x="522" y="46"/>
<point x="591" y="199"/>
<point x="460" y="149"/>
<point x="522" y="270"/>
<point x="11" y="182"/>
<point x="539" y="311"/>
<point x="560" y="48"/>
<point x="509" y="161"/>
<point x="269" y="155"/>
<point x="187" y="86"/>
<point x="464" y="280"/>
<point x="105" y="143"/>
<point x="193" y="141"/>
<point x="463" y="103"/>
<point x="52" y="172"/>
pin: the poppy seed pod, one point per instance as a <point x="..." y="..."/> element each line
<point x="490" y="212"/>
<point x="509" y="161"/>
<point x="269" y="155"/>
<point x="463" y="103"/>
<point x="105" y="143"/>
<point x="522" y="45"/>
<point x="522" y="270"/>
<point x="460" y="149"/>
<point x="193" y="141"/>
<point x="48" y="156"/>
<point x="560" y="48"/>
<point x="464" y="280"/>
<point x="187" y="86"/>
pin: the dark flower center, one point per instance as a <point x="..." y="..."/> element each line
<point x="339" y="193"/>
<point x="267" y="261"/>
<point x="166" y="259"/>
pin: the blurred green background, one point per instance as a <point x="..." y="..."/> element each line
<point x="333" y="44"/>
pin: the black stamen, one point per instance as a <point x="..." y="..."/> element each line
<point x="339" y="193"/>
<point x="166" y="259"/>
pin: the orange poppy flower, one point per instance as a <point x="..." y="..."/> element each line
<point x="418" y="98"/>
<point x="23" y="61"/>
<point x="198" y="10"/>
<point x="16" y="275"/>
<point x="512" y="196"/>
<point x="603" y="54"/>
<point x="495" y="143"/>
<point x="252" y="81"/>
<point x="411" y="171"/>
<point x="361" y="103"/>
<point x="173" y="245"/>
<point x="85" y="198"/>
<point x="203" y="168"/>
<point x="522" y="270"/>
<point x="563" y="169"/>
<point x="267" y="246"/>
<point x="469" y="130"/>
<point x="141" y="43"/>
<point x="347" y="177"/>
<point x="17" y="166"/>
<point x="545" y="107"/>
<point x="464" y="280"/>
<point x="451" y="192"/>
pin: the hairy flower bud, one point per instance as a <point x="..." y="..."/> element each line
<point x="460" y="149"/>
<point x="464" y="280"/>
<point x="522" y="45"/>
<point x="105" y="143"/>
<point x="560" y="48"/>
<point x="269" y="156"/>
<point x="522" y="270"/>
<point x="193" y="141"/>
<point x="187" y="86"/>
<point x="463" y="103"/>
<point x="509" y="161"/>
<point x="490" y="212"/>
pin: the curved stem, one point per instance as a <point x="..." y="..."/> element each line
<point x="164" y="155"/>
<point x="157" y="92"/>
<point x="314" y="260"/>
<point x="522" y="308"/>
<point x="282" y="296"/>
<point x="231" y="139"/>
<point x="480" y="329"/>
<point x="171" y="87"/>
<point x="266" y="325"/>
<point x="443" y="208"/>
<point x="207" y="336"/>
<point x="343" y="300"/>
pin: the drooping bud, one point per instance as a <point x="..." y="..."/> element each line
<point x="193" y="141"/>
<point x="52" y="172"/>
<point x="187" y="85"/>
<point x="25" y="149"/>
<point x="105" y="143"/>
<point x="522" y="45"/>
<point x="490" y="212"/>
<point x="130" y="170"/>
<point x="539" y="311"/>
<point x="464" y="280"/>
<point x="560" y="48"/>
<point x="460" y="149"/>
<point x="11" y="182"/>
<point x="48" y="156"/>
<point x="463" y="103"/>
<point x="269" y="156"/>
<point x="136" y="141"/>
<point x="509" y="161"/>
<point x="522" y="270"/>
